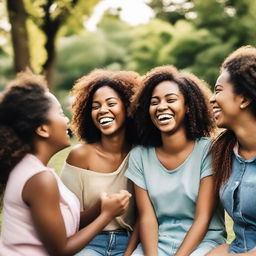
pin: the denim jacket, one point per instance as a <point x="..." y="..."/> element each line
<point x="238" y="197"/>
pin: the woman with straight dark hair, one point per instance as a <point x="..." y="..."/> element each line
<point x="234" y="150"/>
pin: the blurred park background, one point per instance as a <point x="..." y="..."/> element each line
<point x="65" y="39"/>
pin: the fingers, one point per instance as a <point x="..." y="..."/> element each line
<point x="125" y="192"/>
<point x="103" y="196"/>
<point x="115" y="204"/>
<point x="122" y="195"/>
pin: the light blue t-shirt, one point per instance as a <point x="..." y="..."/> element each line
<point x="174" y="193"/>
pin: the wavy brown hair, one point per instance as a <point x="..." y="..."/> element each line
<point x="23" y="107"/>
<point x="198" y="121"/>
<point x="241" y="66"/>
<point x="125" y="83"/>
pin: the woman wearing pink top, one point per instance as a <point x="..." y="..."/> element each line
<point x="40" y="215"/>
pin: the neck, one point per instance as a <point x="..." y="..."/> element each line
<point x="115" y="144"/>
<point x="175" y="143"/>
<point x="245" y="132"/>
<point x="44" y="157"/>
<point x="43" y="152"/>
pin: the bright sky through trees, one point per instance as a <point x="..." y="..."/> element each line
<point x="133" y="12"/>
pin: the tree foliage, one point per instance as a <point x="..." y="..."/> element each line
<point x="105" y="48"/>
<point x="194" y="35"/>
<point x="49" y="16"/>
<point x="217" y="27"/>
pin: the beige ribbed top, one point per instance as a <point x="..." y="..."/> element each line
<point x="88" y="185"/>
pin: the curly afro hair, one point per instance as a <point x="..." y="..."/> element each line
<point x="24" y="105"/>
<point x="198" y="121"/>
<point x="125" y="83"/>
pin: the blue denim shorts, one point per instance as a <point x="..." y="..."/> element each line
<point x="107" y="243"/>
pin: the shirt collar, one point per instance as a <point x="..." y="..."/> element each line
<point x="240" y="158"/>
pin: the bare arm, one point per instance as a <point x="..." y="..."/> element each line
<point x="79" y="156"/>
<point x="204" y="209"/>
<point x="86" y="217"/>
<point x="147" y="218"/>
<point x="134" y="240"/>
<point x="42" y="196"/>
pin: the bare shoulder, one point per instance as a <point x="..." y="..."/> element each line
<point x="80" y="155"/>
<point x="41" y="185"/>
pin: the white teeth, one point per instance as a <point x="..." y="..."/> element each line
<point x="105" y="120"/>
<point x="216" y="110"/>
<point x="164" y="117"/>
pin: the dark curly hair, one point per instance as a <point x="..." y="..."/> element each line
<point x="198" y="121"/>
<point x="23" y="107"/>
<point x="125" y="83"/>
<point x="241" y="66"/>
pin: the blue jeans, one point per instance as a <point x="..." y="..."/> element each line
<point x="107" y="243"/>
<point x="201" y="250"/>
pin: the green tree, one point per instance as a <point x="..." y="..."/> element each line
<point x="219" y="27"/>
<point x="148" y="42"/>
<point x="49" y="16"/>
<point x="107" y="47"/>
<point x="17" y="18"/>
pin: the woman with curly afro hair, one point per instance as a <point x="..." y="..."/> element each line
<point x="102" y="120"/>
<point x="171" y="169"/>
<point x="40" y="215"/>
<point x="234" y="150"/>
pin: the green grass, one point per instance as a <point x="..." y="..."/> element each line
<point x="58" y="160"/>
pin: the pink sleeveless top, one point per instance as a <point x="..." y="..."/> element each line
<point x="18" y="235"/>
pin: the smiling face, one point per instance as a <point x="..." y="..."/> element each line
<point x="225" y="103"/>
<point x="108" y="111"/>
<point x="167" y="107"/>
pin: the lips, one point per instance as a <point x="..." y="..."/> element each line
<point x="69" y="132"/>
<point x="216" y="111"/>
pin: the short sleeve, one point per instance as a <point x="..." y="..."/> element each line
<point x="135" y="170"/>
<point x="206" y="164"/>
<point x="71" y="179"/>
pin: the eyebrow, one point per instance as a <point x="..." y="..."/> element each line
<point x="167" y="95"/>
<point x="107" y="99"/>
<point x="217" y="85"/>
<point x="111" y="98"/>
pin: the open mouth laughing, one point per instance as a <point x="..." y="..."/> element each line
<point x="164" y="118"/>
<point x="104" y="121"/>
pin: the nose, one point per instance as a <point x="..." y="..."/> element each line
<point x="162" y="106"/>
<point x="67" y="120"/>
<point x="212" y="99"/>
<point x="103" y="109"/>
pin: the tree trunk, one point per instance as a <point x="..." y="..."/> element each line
<point x="49" y="65"/>
<point x="17" y="17"/>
